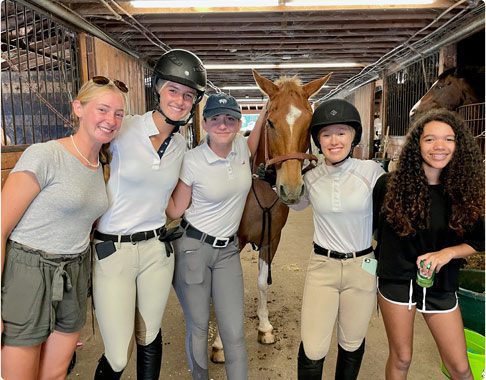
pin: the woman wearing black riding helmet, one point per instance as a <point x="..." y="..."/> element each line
<point x="133" y="269"/>
<point x="340" y="283"/>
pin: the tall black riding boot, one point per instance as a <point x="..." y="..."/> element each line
<point x="105" y="372"/>
<point x="149" y="359"/>
<point x="308" y="369"/>
<point x="348" y="363"/>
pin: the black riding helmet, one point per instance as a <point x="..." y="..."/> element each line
<point x="180" y="66"/>
<point x="335" y="111"/>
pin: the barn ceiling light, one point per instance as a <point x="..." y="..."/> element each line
<point x="203" y="3"/>
<point x="238" y="66"/>
<point x="269" y="3"/>
<point x="233" y="88"/>
<point x="328" y="3"/>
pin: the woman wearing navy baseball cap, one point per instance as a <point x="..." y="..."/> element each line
<point x="215" y="179"/>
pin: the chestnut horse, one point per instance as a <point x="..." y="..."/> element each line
<point x="453" y="88"/>
<point x="283" y="142"/>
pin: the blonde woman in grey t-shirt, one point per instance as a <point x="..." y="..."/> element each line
<point x="49" y="203"/>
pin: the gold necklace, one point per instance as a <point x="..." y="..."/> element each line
<point x="82" y="156"/>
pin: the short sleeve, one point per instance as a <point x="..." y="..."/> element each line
<point x="187" y="170"/>
<point x="37" y="159"/>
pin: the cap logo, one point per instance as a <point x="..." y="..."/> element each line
<point x="186" y="73"/>
<point x="333" y="112"/>
<point x="223" y="101"/>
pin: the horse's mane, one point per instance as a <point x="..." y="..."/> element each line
<point x="472" y="75"/>
<point x="286" y="80"/>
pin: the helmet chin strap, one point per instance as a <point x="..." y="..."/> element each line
<point x="176" y="123"/>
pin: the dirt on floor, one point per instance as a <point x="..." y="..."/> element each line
<point x="277" y="361"/>
<point x="475" y="261"/>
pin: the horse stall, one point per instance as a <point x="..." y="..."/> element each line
<point x="474" y="115"/>
<point x="404" y="88"/>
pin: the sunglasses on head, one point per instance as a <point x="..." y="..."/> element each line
<point x="103" y="81"/>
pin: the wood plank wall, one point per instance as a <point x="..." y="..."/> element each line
<point x="9" y="159"/>
<point x="106" y="60"/>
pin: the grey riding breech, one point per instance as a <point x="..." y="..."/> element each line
<point x="202" y="273"/>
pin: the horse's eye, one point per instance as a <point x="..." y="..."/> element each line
<point x="270" y="123"/>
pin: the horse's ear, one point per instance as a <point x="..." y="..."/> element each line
<point x="266" y="85"/>
<point x="312" y="87"/>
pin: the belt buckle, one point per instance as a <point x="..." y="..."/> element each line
<point x="220" y="242"/>
<point x="134" y="238"/>
<point x="340" y="255"/>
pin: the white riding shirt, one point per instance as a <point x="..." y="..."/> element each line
<point x="341" y="197"/>
<point x="219" y="187"/>
<point x="141" y="182"/>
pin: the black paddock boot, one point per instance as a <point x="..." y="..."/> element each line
<point x="149" y="359"/>
<point x="105" y="372"/>
<point x="308" y="369"/>
<point x="348" y="363"/>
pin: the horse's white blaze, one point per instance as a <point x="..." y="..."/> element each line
<point x="414" y="108"/>
<point x="262" y="310"/>
<point x="292" y="115"/>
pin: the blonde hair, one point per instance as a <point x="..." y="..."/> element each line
<point x="90" y="90"/>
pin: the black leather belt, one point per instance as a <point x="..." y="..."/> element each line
<point x="133" y="238"/>
<point x="216" y="242"/>
<point x="339" y="255"/>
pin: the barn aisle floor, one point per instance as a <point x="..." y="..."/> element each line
<point x="277" y="361"/>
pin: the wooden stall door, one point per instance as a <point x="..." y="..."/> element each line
<point x="100" y="58"/>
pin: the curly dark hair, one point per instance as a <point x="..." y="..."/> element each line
<point x="407" y="200"/>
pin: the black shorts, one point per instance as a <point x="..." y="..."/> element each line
<point x="408" y="293"/>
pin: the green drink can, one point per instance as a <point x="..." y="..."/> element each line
<point x="424" y="281"/>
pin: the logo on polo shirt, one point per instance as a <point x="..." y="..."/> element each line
<point x="223" y="101"/>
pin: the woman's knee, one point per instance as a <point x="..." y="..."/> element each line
<point x="401" y="359"/>
<point x="460" y="371"/>
<point x="118" y="362"/>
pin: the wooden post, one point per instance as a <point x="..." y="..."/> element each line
<point x="447" y="57"/>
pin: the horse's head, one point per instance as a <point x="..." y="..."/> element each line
<point x="453" y="88"/>
<point x="285" y="137"/>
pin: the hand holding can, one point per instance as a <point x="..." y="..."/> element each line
<point x="422" y="279"/>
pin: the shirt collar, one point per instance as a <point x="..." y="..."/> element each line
<point x="335" y="169"/>
<point x="149" y="124"/>
<point x="212" y="157"/>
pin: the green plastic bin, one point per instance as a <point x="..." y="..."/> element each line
<point x="475" y="354"/>
<point x="471" y="299"/>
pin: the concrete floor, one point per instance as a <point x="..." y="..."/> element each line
<point x="277" y="361"/>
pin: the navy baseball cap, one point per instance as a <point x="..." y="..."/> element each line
<point x="221" y="103"/>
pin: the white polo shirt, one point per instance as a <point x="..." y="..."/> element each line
<point x="341" y="198"/>
<point x="219" y="187"/>
<point x="140" y="183"/>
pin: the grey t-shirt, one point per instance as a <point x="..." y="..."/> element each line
<point x="72" y="197"/>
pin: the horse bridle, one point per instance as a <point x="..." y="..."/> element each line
<point x="267" y="211"/>
<point x="289" y="156"/>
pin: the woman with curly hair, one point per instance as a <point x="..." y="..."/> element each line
<point x="429" y="217"/>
